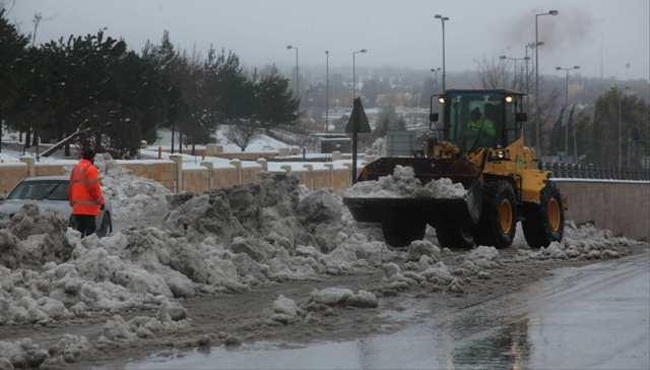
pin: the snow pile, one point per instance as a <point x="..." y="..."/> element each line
<point x="32" y="238"/>
<point x="403" y="184"/>
<point x="342" y="297"/>
<point x="443" y="188"/>
<point x="21" y="354"/>
<point x="221" y="241"/>
<point x="285" y="310"/>
<point x="583" y="242"/>
<point x="378" y="148"/>
<point x="143" y="327"/>
<point x="134" y="200"/>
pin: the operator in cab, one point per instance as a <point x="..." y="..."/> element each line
<point x="481" y="130"/>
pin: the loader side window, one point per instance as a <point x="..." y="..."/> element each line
<point x="512" y="129"/>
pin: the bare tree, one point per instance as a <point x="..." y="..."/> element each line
<point x="242" y="133"/>
<point x="491" y="74"/>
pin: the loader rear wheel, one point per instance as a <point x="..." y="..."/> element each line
<point x="455" y="238"/>
<point x="401" y="229"/>
<point x="544" y="222"/>
<point x="499" y="218"/>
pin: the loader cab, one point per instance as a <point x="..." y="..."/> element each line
<point x="474" y="119"/>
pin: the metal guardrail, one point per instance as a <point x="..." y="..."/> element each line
<point x="590" y="171"/>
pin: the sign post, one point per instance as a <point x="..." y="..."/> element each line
<point x="358" y="123"/>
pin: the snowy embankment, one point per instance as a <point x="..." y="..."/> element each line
<point x="403" y="184"/>
<point x="261" y="143"/>
<point x="228" y="240"/>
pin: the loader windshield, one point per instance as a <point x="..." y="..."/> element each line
<point x="474" y="119"/>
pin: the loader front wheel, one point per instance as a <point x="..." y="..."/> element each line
<point x="544" y="222"/>
<point x="499" y="218"/>
<point x="455" y="238"/>
<point x="400" y="229"/>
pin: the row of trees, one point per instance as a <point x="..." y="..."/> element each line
<point x="48" y="91"/>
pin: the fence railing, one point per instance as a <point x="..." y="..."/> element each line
<point x="590" y="171"/>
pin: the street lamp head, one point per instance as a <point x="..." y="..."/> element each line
<point x="289" y="47"/>
<point x="553" y="12"/>
<point x="363" y="51"/>
<point x="576" y="67"/>
<point x="503" y="57"/>
<point x="526" y="58"/>
<point x="445" y="18"/>
<point x="558" y="68"/>
<point x="438" y="16"/>
<point x="327" y="52"/>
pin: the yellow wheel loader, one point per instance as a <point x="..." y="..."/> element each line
<point x="482" y="147"/>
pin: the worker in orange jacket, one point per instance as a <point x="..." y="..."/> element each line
<point x="85" y="193"/>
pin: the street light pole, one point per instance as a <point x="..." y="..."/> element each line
<point x="354" y="69"/>
<point x="443" y="19"/>
<point x="538" y="123"/>
<point x="327" y="89"/>
<point x="290" y="47"/>
<point x="566" y="106"/>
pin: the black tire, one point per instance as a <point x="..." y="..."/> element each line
<point x="498" y="225"/>
<point x="106" y="227"/>
<point x="455" y="238"/>
<point x="400" y="230"/>
<point x="540" y="228"/>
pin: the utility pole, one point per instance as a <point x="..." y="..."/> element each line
<point x="443" y="19"/>
<point x="538" y="120"/>
<point x="327" y="89"/>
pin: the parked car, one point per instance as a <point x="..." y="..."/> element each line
<point x="50" y="193"/>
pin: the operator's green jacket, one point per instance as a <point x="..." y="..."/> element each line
<point x="487" y="129"/>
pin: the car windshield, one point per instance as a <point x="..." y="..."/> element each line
<point x="37" y="190"/>
<point x="473" y="119"/>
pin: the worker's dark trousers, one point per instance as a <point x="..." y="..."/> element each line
<point x="85" y="224"/>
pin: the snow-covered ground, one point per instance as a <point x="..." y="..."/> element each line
<point x="261" y="143"/>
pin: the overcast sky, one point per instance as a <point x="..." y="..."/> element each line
<point x="396" y="33"/>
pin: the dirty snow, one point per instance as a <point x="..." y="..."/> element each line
<point x="403" y="184"/>
<point x="226" y="240"/>
<point x="135" y="200"/>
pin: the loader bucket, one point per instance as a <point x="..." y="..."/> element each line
<point x="408" y="211"/>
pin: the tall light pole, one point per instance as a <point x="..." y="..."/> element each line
<point x="530" y="45"/>
<point x="566" y="106"/>
<point x="538" y="122"/>
<point x="435" y="77"/>
<point x="327" y="89"/>
<point x="291" y="47"/>
<point x="354" y="71"/>
<point x="443" y="19"/>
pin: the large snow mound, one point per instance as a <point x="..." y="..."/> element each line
<point x="135" y="200"/>
<point x="219" y="241"/>
<point x="403" y="184"/>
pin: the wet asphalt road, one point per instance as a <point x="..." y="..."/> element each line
<point x="595" y="317"/>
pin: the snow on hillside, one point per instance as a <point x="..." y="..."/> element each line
<point x="262" y="143"/>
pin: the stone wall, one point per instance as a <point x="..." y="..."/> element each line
<point x="10" y="175"/>
<point x="621" y="206"/>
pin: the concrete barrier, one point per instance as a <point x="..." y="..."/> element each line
<point x="618" y="205"/>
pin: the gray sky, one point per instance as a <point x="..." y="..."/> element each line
<point x="397" y="33"/>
